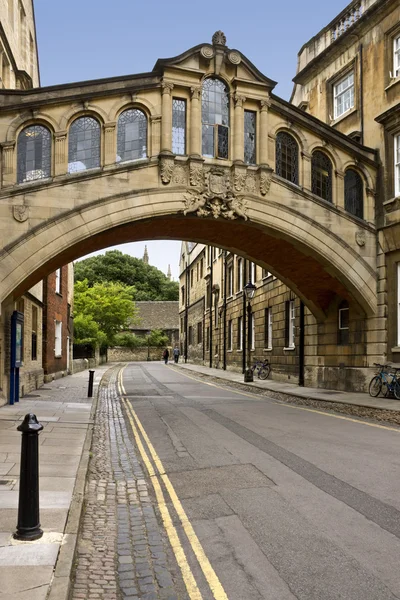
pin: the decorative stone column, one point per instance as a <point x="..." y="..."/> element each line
<point x="306" y="168"/>
<point x="110" y="152"/>
<point x="166" y="117"/>
<point x="238" y="128"/>
<point x="195" y="122"/>
<point x="60" y="153"/>
<point x="264" y="130"/>
<point x="338" y="189"/>
<point x="8" y="152"/>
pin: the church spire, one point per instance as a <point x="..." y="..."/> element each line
<point x="146" y="256"/>
<point x="169" y="274"/>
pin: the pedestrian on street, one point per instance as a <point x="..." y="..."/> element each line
<point x="176" y="354"/>
<point x="166" y="355"/>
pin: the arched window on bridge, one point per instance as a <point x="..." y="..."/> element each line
<point x="83" y="145"/>
<point x="131" y="135"/>
<point x="287" y="157"/>
<point x="33" y="153"/>
<point x="353" y="193"/>
<point x="215" y="118"/>
<point x="321" y="176"/>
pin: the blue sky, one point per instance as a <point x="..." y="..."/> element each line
<point x="90" y="39"/>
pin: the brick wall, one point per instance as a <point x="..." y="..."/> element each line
<point x="55" y="309"/>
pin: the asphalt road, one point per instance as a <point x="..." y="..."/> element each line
<point x="285" y="501"/>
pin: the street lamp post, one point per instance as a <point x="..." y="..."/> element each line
<point x="249" y="290"/>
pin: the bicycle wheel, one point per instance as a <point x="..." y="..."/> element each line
<point x="264" y="371"/>
<point x="375" y="386"/>
<point x="396" y="389"/>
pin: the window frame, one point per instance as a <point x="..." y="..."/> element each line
<point x="57" y="286"/>
<point x="268" y="328"/>
<point x="217" y="128"/>
<point x="357" y="202"/>
<point x="250" y="146"/>
<point x="57" y="338"/>
<point x="335" y="85"/>
<point x="230" y="336"/>
<point x="396" y="56"/>
<point x="343" y="338"/>
<point x="290" y="329"/>
<point x="239" y="341"/>
<point x="46" y="156"/>
<point x="316" y="169"/>
<point x="73" y="152"/>
<point x="119" y="135"/>
<point x="176" y="148"/>
<point x="396" y="163"/>
<point x="286" y="140"/>
<point x="240" y="272"/>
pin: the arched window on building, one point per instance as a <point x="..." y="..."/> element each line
<point x="83" y="145"/>
<point x="33" y="153"/>
<point x="215" y="118"/>
<point x="353" y="193"/>
<point x="343" y="323"/>
<point x="287" y="157"/>
<point x="321" y="176"/>
<point x="131" y="135"/>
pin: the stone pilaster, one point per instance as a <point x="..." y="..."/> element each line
<point x="60" y="153"/>
<point x="264" y="131"/>
<point x="306" y="170"/>
<point x="338" y="189"/>
<point x="9" y="174"/>
<point x="195" y="122"/>
<point x="110" y="151"/>
<point x="166" y="117"/>
<point x="155" y="137"/>
<point x="238" y="128"/>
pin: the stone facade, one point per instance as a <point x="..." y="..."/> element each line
<point x="232" y="195"/>
<point x="121" y="354"/>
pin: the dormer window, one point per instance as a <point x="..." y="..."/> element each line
<point x="215" y="119"/>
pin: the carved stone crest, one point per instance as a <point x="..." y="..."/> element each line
<point x="250" y="183"/>
<point x="179" y="176"/>
<point x="166" y="168"/>
<point x="20" y="213"/>
<point x="206" y="205"/>
<point x="360" y="238"/>
<point x="215" y="198"/>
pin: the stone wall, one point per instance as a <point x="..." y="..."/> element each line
<point x="121" y="354"/>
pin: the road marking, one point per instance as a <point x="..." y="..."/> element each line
<point x="319" y="412"/>
<point x="359" y="421"/>
<point x="187" y="575"/>
<point x="205" y="565"/>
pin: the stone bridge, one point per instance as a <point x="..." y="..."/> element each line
<point x="199" y="149"/>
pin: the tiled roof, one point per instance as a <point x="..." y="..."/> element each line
<point x="157" y="315"/>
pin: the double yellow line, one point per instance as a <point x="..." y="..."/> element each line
<point x="157" y="476"/>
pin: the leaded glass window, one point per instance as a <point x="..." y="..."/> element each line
<point x="353" y="193"/>
<point x="83" y="145"/>
<point x="33" y="154"/>
<point x="215" y="118"/>
<point x="287" y="157"/>
<point x="321" y="176"/>
<point x="178" y="126"/>
<point x="131" y="135"/>
<point x="249" y="137"/>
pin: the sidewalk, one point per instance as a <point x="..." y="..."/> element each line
<point x="66" y="413"/>
<point x="289" y="389"/>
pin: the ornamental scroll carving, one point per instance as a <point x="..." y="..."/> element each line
<point x="166" y="168"/>
<point x="196" y="174"/>
<point x="265" y="182"/>
<point x="215" y="198"/>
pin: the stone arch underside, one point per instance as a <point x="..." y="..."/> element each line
<point x="315" y="264"/>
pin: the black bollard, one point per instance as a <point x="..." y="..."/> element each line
<point x="90" y="388"/>
<point x="28" y="526"/>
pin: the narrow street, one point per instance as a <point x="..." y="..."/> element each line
<point x="200" y="491"/>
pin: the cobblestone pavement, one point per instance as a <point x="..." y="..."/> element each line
<point x="122" y="553"/>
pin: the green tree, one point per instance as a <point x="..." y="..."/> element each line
<point x="128" y="340"/>
<point x="156" y="338"/>
<point x="109" y="305"/>
<point x="147" y="282"/>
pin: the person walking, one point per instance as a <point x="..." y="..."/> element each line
<point x="166" y="355"/>
<point x="176" y="354"/>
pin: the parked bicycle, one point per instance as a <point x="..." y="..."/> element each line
<point x="385" y="381"/>
<point x="263" y="369"/>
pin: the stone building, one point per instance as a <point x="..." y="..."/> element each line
<point x="348" y="75"/>
<point x="162" y="315"/>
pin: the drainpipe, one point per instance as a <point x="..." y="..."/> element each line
<point x="244" y="336"/>
<point x="224" y="350"/>
<point x="186" y="311"/>
<point x="361" y="93"/>
<point x="211" y="307"/>
<point x="301" y="344"/>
